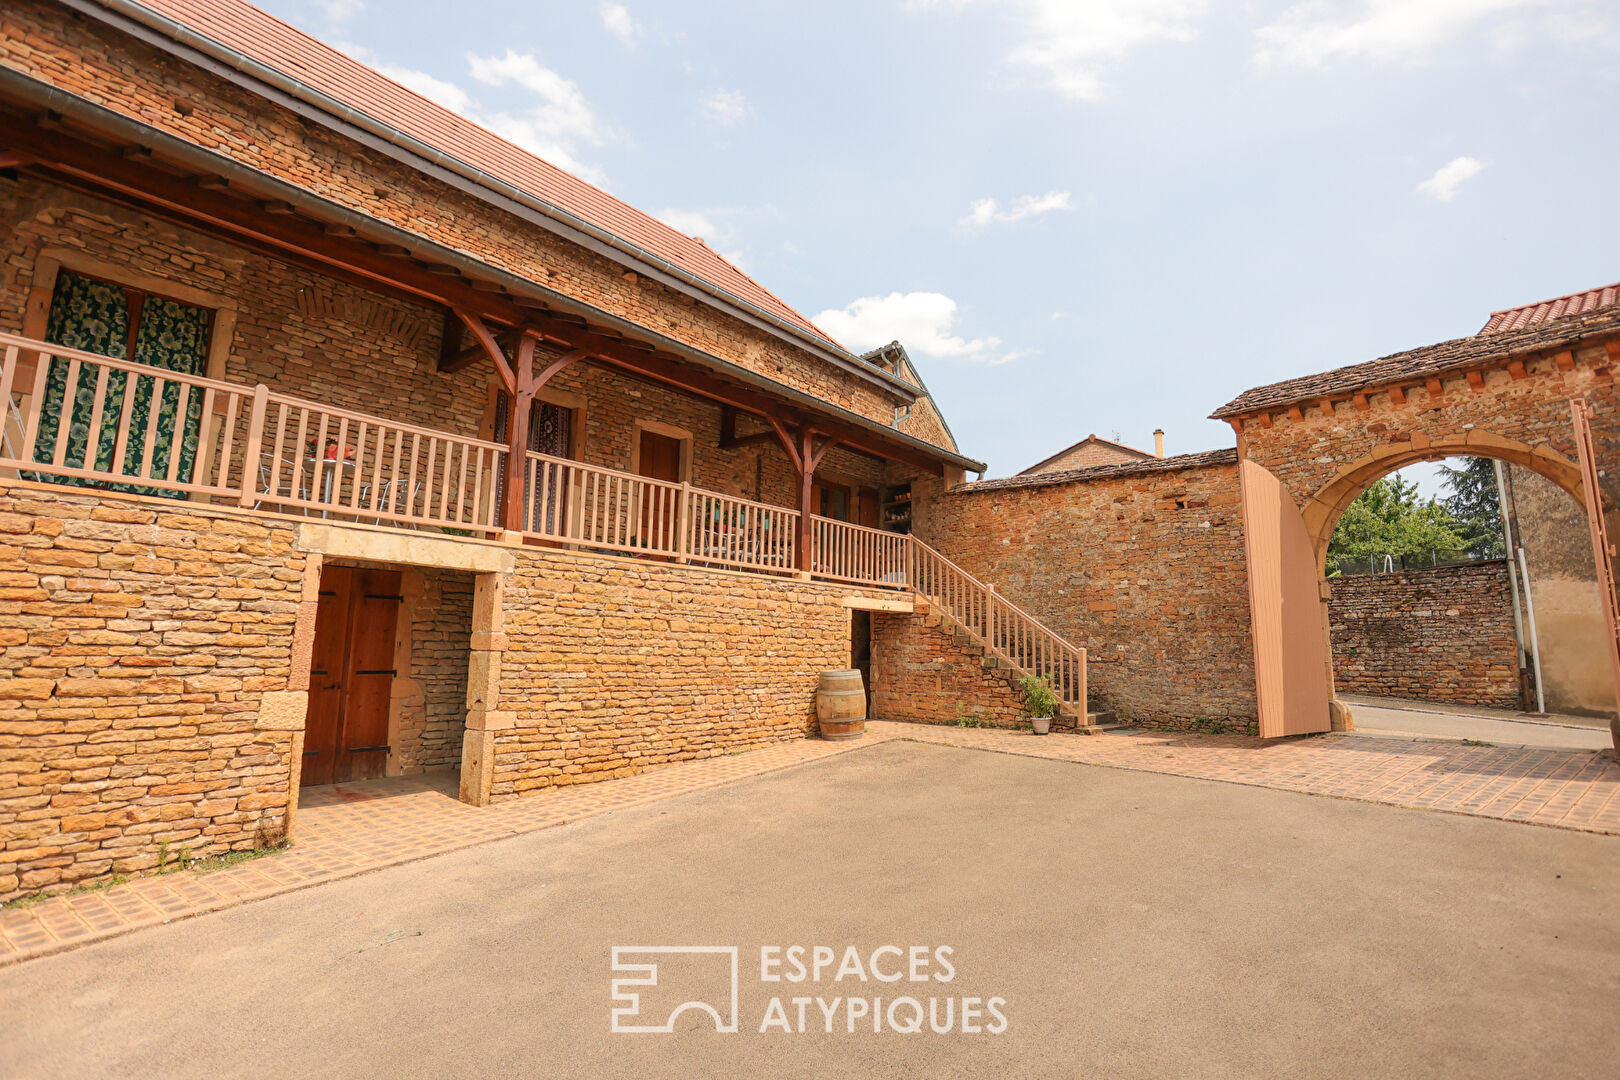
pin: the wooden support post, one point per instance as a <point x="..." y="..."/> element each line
<point x="517" y="437"/>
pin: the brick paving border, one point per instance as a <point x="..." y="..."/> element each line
<point x="352" y="829"/>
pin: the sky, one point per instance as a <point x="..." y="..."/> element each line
<point x="1093" y="216"/>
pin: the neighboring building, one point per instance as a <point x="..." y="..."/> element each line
<point x="1095" y="451"/>
<point x="343" y="439"/>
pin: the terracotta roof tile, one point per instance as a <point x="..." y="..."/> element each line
<point x="1416" y="364"/>
<point x="1531" y="314"/>
<point x="1103" y="472"/>
<point x="269" y="41"/>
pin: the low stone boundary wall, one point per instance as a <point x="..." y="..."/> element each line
<point x="1442" y="634"/>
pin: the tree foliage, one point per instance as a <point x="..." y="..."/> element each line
<point x="1475" y="504"/>
<point x="1388" y="519"/>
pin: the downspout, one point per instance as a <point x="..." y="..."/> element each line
<point x="1516" y="550"/>
<point x="1513" y="573"/>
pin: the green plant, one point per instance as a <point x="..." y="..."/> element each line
<point x="973" y="719"/>
<point x="1476" y="742"/>
<point x="1039" y="700"/>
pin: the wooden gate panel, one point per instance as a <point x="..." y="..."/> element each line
<point x="321" y="721"/>
<point x="1603" y="551"/>
<point x="1291" y="672"/>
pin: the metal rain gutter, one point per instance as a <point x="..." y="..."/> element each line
<point x="44" y="95"/>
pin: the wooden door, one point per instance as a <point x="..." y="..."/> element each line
<point x="860" y="650"/>
<point x="867" y="508"/>
<point x="351" y="675"/>
<point x="659" y="459"/>
<point x="1292" y="678"/>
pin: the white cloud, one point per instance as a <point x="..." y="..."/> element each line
<point x="620" y="23"/>
<point x="989" y="211"/>
<point x="701" y="225"/>
<point x="690" y="222"/>
<point x="553" y="128"/>
<point x="338" y="12"/>
<point x="1449" y="177"/>
<point x="924" y="322"/>
<point x="724" y="107"/>
<point x="1312" y="33"/>
<point x="1073" y="44"/>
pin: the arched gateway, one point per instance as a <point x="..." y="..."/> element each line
<point x="1308" y="446"/>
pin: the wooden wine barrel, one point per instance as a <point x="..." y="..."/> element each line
<point x="841" y="705"/>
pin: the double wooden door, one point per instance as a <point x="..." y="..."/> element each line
<point x="351" y="675"/>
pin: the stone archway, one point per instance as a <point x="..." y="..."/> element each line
<point x="1324" y="508"/>
<point x="1326" y="438"/>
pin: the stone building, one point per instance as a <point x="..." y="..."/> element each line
<point x="343" y="440"/>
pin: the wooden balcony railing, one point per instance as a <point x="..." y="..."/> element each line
<point x="589" y="506"/>
<point x="857" y="553"/>
<point x="332" y="461"/>
<point x="91" y="420"/>
<point x="80" y="418"/>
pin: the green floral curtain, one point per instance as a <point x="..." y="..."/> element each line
<point x="94" y="316"/>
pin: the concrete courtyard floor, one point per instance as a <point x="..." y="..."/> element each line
<point x="1136" y="924"/>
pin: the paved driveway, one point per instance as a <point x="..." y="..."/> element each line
<point x="1135" y="924"/>
<point x="1395" y="718"/>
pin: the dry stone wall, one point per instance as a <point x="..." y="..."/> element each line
<point x="138" y="644"/>
<point x="1442" y="634"/>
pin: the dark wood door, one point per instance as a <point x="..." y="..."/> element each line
<point x="351" y="675"/>
<point x="659" y="459"/>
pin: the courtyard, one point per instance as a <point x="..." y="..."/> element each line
<point x="1270" y="932"/>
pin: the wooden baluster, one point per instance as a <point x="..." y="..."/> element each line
<point x="36" y="405"/>
<point x="64" y="423"/>
<point x="251" y="448"/>
<point x="478" y="488"/>
<point x="8" y="376"/>
<point x="461" y="485"/>
<point x="177" y="434"/>
<point x="92" y="443"/>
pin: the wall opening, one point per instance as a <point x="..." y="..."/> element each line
<point x="1467" y="582"/>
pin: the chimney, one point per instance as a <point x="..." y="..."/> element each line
<point x="1158" y="442"/>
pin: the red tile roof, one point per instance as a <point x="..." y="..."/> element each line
<point x="1530" y="314"/>
<point x="267" y="40"/>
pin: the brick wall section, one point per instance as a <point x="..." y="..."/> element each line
<point x="614" y="665"/>
<point x="433" y="693"/>
<point x="1143" y="566"/>
<point x="1443" y="634"/>
<point x="921" y="673"/>
<point x="136" y="641"/>
<point x="85" y="58"/>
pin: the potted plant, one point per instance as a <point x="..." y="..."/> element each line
<point x="1040" y="704"/>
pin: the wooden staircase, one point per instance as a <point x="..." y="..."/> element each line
<point x="1026" y="647"/>
<point x="973" y="645"/>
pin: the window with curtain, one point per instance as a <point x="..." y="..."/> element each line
<point x="126" y="324"/>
